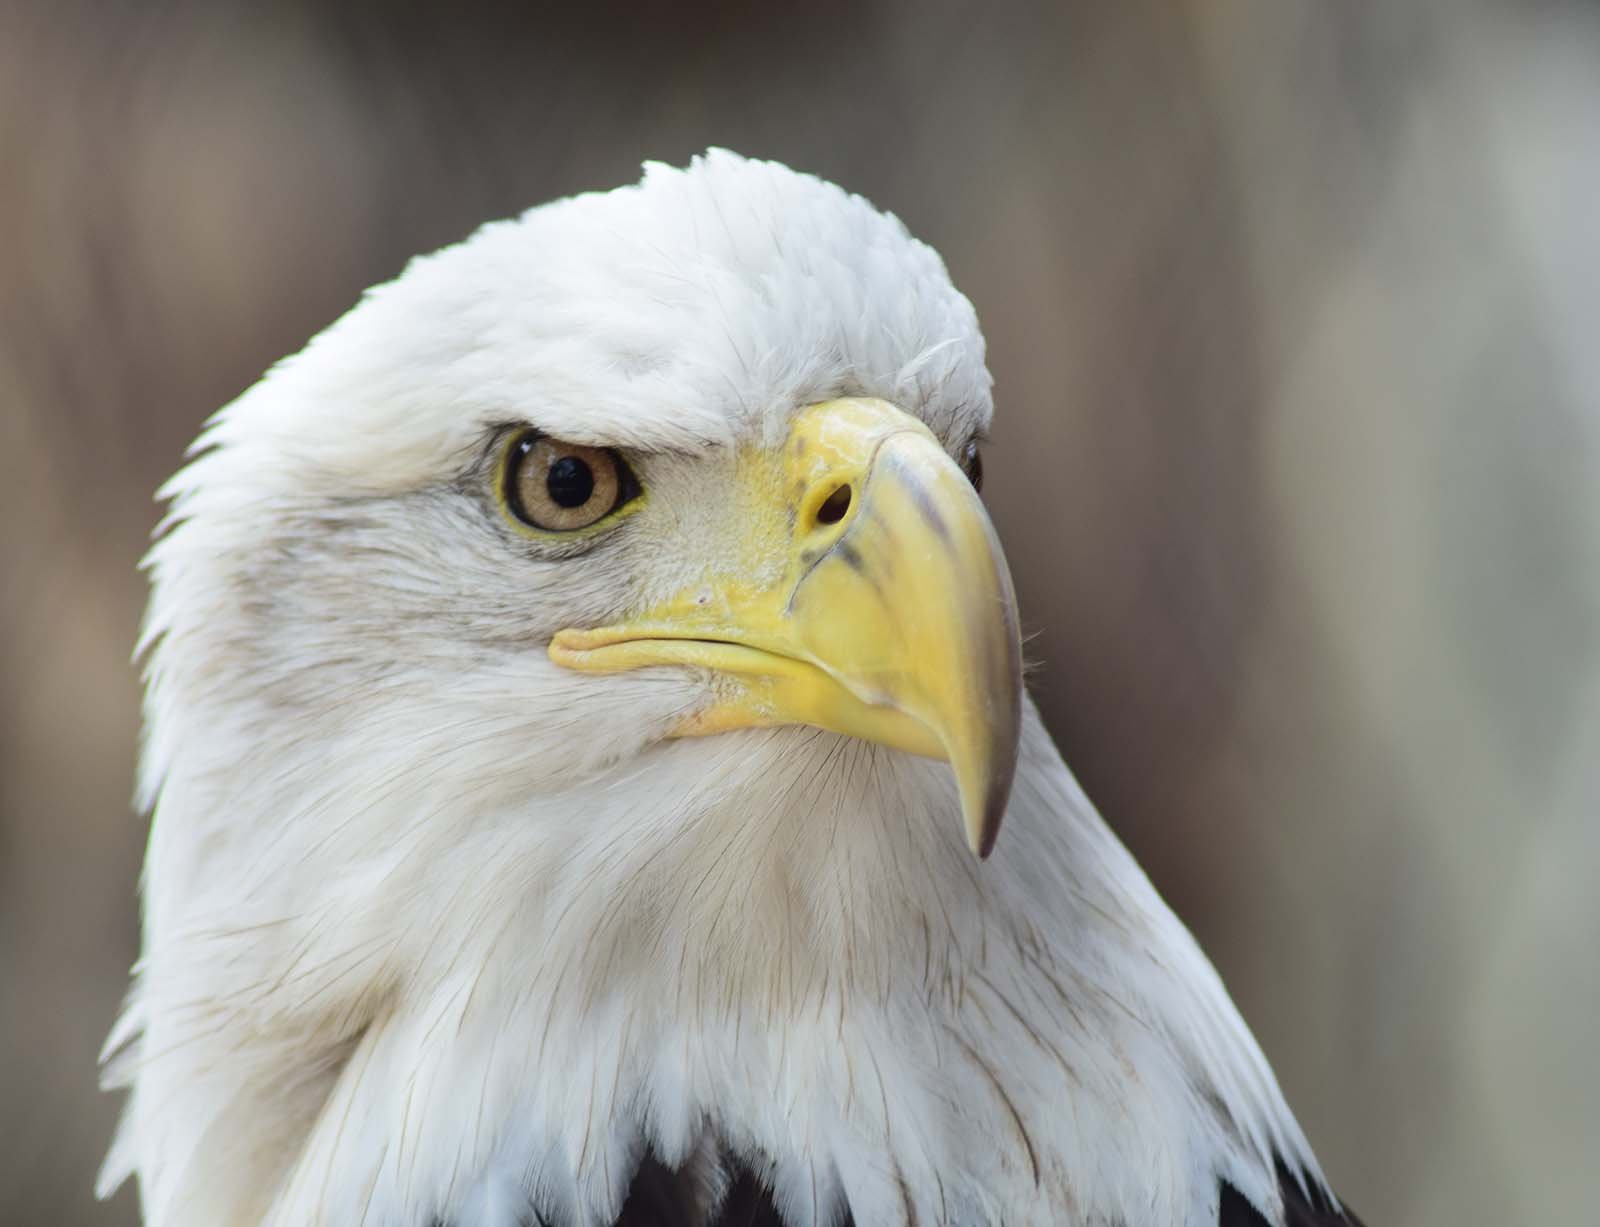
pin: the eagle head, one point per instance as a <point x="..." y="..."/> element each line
<point x="576" y="685"/>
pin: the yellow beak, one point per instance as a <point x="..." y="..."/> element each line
<point x="865" y="593"/>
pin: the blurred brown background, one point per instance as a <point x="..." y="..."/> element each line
<point x="1294" y="310"/>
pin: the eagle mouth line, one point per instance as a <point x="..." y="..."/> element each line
<point x="759" y="685"/>
<point x="598" y="647"/>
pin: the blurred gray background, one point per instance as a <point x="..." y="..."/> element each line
<point x="1294" y="312"/>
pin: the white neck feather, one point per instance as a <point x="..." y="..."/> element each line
<point x="830" y="988"/>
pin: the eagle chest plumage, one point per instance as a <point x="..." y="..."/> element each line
<point x="583" y="700"/>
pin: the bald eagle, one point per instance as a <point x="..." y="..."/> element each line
<point x="583" y="694"/>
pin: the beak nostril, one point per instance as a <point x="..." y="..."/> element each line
<point x="835" y="506"/>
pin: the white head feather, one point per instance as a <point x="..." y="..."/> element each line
<point x="436" y="929"/>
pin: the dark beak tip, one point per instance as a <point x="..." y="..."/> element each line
<point x="1007" y="745"/>
<point x="994" y="811"/>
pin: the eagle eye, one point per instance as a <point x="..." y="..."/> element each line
<point x="561" y="487"/>
<point x="972" y="464"/>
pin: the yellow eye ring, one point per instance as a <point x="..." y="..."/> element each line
<point x="561" y="489"/>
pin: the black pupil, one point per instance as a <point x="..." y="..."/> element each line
<point x="974" y="466"/>
<point x="570" y="482"/>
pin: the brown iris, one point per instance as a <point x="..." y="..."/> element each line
<point x="561" y="487"/>
<point x="972" y="464"/>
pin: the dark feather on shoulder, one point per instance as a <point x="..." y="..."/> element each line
<point x="1300" y="1208"/>
<point x="660" y="1197"/>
